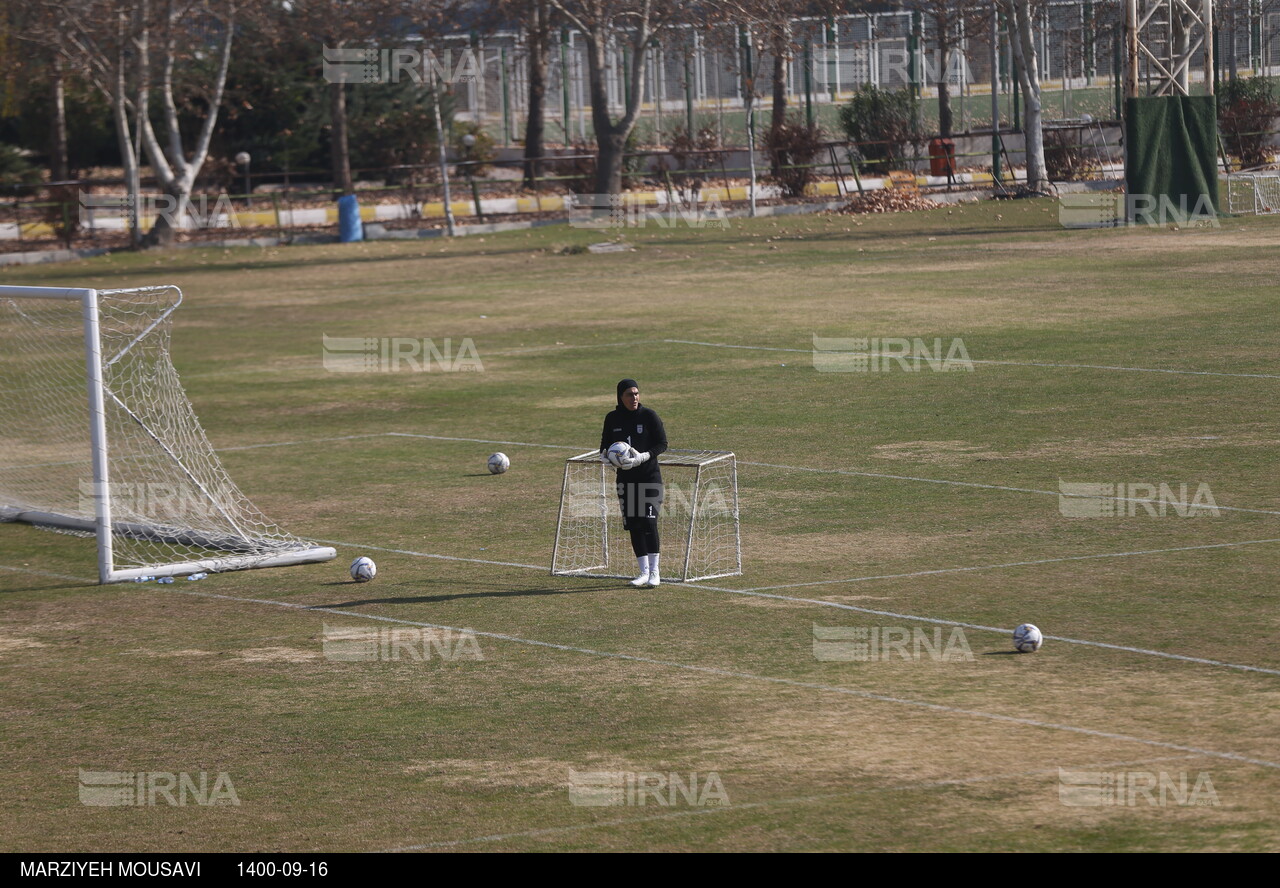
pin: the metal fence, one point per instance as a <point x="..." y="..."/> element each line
<point x="694" y="74"/>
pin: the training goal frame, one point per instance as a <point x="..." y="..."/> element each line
<point x="701" y="500"/>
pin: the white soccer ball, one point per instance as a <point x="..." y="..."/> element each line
<point x="1027" y="638"/>
<point x="498" y="463"/>
<point x="363" y="569"/>
<point x="618" y="452"/>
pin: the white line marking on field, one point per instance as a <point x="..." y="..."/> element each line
<point x="559" y="347"/>
<point x="1128" y="499"/>
<point x="45" y="573"/>
<point x="762" y="592"/>
<point x="742" y="462"/>
<point x="1009" y="363"/>
<point x="945" y="570"/>
<point x="483" y="441"/>
<point x="430" y="555"/>
<point x="748" y="676"/>
<point x="978" y="626"/>
<point x="800" y="800"/>
<point x="306" y="441"/>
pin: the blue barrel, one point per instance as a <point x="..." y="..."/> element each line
<point x="350" y="228"/>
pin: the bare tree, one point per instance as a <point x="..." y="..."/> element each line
<point x="178" y="30"/>
<point x="1023" y="15"/>
<point x="633" y="25"/>
<point x="948" y="17"/>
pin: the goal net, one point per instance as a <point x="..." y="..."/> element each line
<point x="97" y="438"/>
<point x="1253" y="194"/>
<point x="698" y="523"/>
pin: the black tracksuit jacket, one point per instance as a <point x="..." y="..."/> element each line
<point x="643" y="430"/>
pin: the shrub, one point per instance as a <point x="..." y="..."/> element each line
<point x="700" y="151"/>
<point x="1247" y="109"/>
<point x="792" y="146"/>
<point x="1065" y="159"/>
<point x="883" y="124"/>
<point x="578" y="172"/>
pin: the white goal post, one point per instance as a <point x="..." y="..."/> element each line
<point x="698" y="523"/>
<point x="98" y="438"/>
<point x="1253" y="194"/>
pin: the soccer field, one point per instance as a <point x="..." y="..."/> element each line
<point x="855" y="688"/>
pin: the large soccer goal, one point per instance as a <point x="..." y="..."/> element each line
<point x="698" y="526"/>
<point x="97" y="438"/>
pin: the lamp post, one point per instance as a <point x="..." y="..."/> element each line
<point x="469" y="143"/>
<point x="243" y="159"/>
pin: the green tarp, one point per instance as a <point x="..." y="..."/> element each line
<point x="1171" y="158"/>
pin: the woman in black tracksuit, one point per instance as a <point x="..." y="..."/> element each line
<point x="639" y="478"/>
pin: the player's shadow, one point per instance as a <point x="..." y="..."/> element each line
<point x="464" y="596"/>
<point x="1000" y="653"/>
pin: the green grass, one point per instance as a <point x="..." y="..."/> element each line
<point x="813" y="755"/>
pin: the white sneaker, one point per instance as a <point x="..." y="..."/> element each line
<point x="654" y="580"/>
<point x="642" y="580"/>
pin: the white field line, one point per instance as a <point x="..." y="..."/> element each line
<point x="851" y="472"/>
<point x="748" y="676"/>
<point x="540" y="567"/>
<point x="946" y="570"/>
<point x="45" y="573"/>
<point x="760" y="592"/>
<point x="806" y="351"/>
<point x="801" y="800"/>
<point x="1123" y="499"/>
<point x="566" y="347"/>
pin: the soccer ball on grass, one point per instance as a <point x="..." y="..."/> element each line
<point x="1027" y="639"/>
<point x="363" y="569"/>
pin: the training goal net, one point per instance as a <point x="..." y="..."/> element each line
<point x="98" y="439"/>
<point x="698" y="523"/>
<point x="1253" y="194"/>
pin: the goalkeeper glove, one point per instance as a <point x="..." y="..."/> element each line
<point x="634" y="460"/>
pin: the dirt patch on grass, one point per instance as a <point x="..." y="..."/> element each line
<point x="276" y="655"/>
<point x="549" y="774"/>
<point x="961" y="452"/>
<point x="861" y="546"/>
<point x="17" y="643"/>
<point x="934" y="451"/>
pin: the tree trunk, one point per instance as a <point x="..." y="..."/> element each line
<point x="165" y="230"/>
<point x="1029" y="76"/>
<point x="609" y="162"/>
<point x="944" y="78"/>
<point x="535" y="124"/>
<point x="341" y="154"/>
<point x="778" y="112"/>
<point x="611" y="137"/>
<point x="59" y="166"/>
